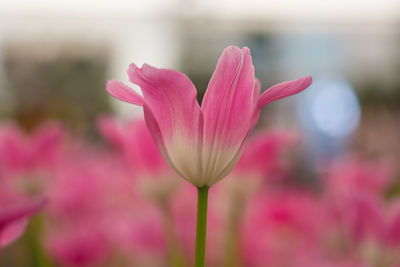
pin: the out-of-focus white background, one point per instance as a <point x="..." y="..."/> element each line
<point x="350" y="47"/>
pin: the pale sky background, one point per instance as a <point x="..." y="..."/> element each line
<point x="272" y="9"/>
<point x="144" y="30"/>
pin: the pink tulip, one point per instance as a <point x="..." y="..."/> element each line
<point x="96" y="212"/>
<point x="20" y="152"/>
<point x="354" y="176"/>
<point x="77" y="244"/>
<point x="202" y="143"/>
<point x="354" y="190"/>
<point x="84" y="193"/>
<point x="362" y="217"/>
<point x="365" y="227"/>
<point x="26" y="161"/>
<point x="393" y="234"/>
<point x="357" y="217"/>
<point x="280" y="229"/>
<point x="14" y="214"/>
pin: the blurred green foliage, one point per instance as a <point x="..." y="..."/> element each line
<point x="68" y="88"/>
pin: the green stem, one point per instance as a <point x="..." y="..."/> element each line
<point x="33" y="235"/>
<point x="201" y="227"/>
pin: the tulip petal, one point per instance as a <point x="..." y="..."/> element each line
<point x="284" y="89"/>
<point x="16" y="212"/>
<point x="228" y="107"/>
<point x="12" y="232"/>
<point x="123" y="92"/>
<point x="173" y="116"/>
<point x="13" y="219"/>
<point x="228" y="102"/>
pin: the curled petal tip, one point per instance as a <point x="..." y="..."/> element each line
<point x="123" y="92"/>
<point x="284" y="89"/>
<point x="307" y="80"/>
<point x="232" y="50"/>
<point x="132" y="68"/>
<point x="245" y="49"/>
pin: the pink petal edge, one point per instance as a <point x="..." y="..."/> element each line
<point x="123" y="92"/>
<point x="284" y="89"/>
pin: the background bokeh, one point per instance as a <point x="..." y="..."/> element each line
<point x="56" y="56"/>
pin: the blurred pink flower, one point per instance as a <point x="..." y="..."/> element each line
<point x="353" y="195"/>
<point x="363" y="227"/>
<point x="85" y="190"/>
<point x="361" y="216"/>
<point x="280" y="229"/>
<point x="357" y="215"/>
<point x="20" y="152"/>
<point x="354" y="176"/>
<point x="263" y="154"/>
<point x="135" y="143"/>
<point x="27" y="160"/>
<point x="147" y="165"/>
<point x="204" y="143"/>
<point x="78" y="244"/>
<point x="14" y="214"/>
<point x="154" y="177"/>
<point x="393" y="225"/>
<point x="95" y="211"/>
